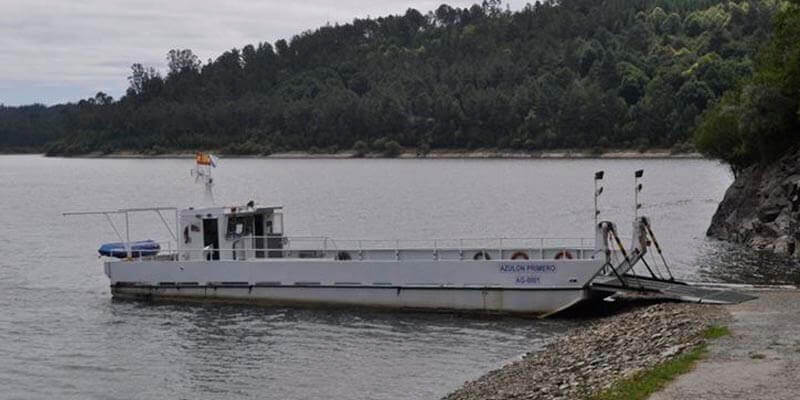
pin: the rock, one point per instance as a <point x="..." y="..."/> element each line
<point x="769" y="213"/>
<point x="762" y="207"/>
<point x="671" y="351"/>
<point x="784" y="245"/>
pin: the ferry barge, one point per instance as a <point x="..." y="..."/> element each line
<point x="242" y="254"/>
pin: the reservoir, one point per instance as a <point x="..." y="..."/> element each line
<point x="61" y="335"/>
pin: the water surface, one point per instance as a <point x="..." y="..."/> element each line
<point x="61" y="335"/>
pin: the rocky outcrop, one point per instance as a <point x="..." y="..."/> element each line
<point x="762" y="207"/>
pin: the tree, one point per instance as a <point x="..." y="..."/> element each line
<point x="182" y="61"/>
<point x="103" y="99"/>
<point x="633" y="82"/>
<point x="767" y="120"/>
<point x="392" y="149"/>
<point x="143" y="81"/>
<point x="696" y="93"/>
<point x="360" y="149"/>
<point x="719" y="136"/>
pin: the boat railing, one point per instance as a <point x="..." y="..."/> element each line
<point x="306" y="247"/>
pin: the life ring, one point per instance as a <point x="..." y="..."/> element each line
<point x="481" y="255"/>
<point x="520" y="255"/>
<point x="563" y="254"/>
<point x="343" y="256"/>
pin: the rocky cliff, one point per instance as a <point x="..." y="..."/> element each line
<point x="762" y="207"/>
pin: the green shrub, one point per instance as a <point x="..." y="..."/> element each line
<point x="423" y="149"/>
<point x="360" y="149"/>
<point x="379" y="144"/>
<point x="392" y="149"/>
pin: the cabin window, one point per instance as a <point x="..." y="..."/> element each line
<point x="276" y="226"/>
<point x="239" y="226"/>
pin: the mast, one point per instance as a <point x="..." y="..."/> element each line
<point x="202" y="172"/>
<point x="597" y="191"/>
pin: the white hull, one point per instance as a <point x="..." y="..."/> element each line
<point x="536" y="286"/>
<point x="493" y="300"/>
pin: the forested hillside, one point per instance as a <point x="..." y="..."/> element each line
<point x="758" y="121"/>
<point x="558" y="74"/>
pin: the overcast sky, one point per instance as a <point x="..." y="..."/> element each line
<point x="65" y="50"/>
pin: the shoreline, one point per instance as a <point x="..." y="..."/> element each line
<point x="435" y="155"/>
<point x="636" y="336"/>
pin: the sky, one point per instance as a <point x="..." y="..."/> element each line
<point x="62" y="51"/>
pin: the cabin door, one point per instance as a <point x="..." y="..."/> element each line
<point x="258" y="232"/>
<point x="274" y="241"/>
<point x="211" y="238"/>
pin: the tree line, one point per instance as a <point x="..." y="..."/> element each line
<point x="588" y="74"/>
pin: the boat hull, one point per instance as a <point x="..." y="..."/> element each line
<point x="533" y="287"/>
<point x="490" y="300"/>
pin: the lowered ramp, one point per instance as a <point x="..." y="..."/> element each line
<point x="668" y="289"/>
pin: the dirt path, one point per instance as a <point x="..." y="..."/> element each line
<point x="760" y="360"/>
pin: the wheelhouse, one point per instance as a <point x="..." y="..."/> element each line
<point x="231" y="233"/>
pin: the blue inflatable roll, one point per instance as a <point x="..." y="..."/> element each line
<point x="138" y="249"/>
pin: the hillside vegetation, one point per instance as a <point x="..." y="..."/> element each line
<point x="758" y="121"/>
<point x="557" y="74"/>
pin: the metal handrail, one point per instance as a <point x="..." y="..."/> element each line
<point x="301" y="247"/>
<point x="325" y="243"/>
<point x="247" y="252"/>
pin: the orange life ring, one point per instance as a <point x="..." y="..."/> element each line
<point x="520" y="254"/>
<point x="564" y="254"/>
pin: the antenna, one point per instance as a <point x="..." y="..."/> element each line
<point x="637" y="188"/>
<point x="202" y="172"/>
<point x="598" y="176"/>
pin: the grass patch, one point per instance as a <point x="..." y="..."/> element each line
<point x="716" y="331"/>
<point x="641" y="385"/>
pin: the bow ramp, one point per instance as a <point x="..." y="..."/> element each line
<point x="620" y="277"/>
<point x="672" y="289"/>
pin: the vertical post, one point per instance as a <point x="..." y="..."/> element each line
<point x="541" y="248"/>
<point x="636" y="189"/>
<point x="635" y="197"/>
<point x="596" y="211"/>
<point x="597" y="191"/>
<point x="500" y="257"/>
<point x="177" y="236"/>
<point x="127" y="236"/>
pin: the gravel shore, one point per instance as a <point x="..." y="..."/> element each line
<point x="592" y="357"/>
